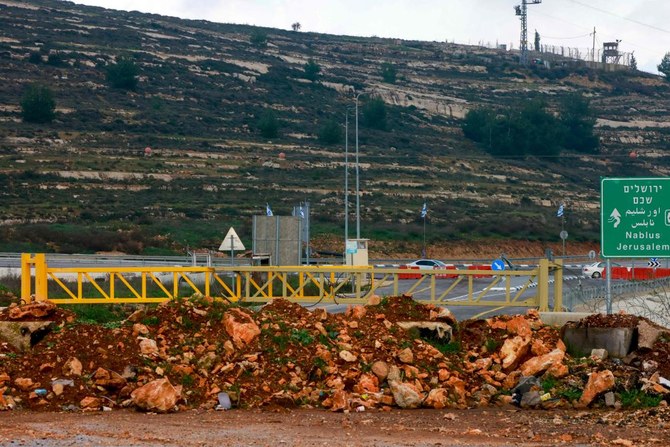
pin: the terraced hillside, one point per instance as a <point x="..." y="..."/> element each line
<point x="85" y="182"/>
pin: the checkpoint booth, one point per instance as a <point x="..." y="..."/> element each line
<point x="355" y="255"/>
<point x="356" y="252"/>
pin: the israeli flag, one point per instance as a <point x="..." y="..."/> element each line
<point x="301" y="212"/>
<point x="559" y="213"/>
<point x="424" y="210"/>
<point x="268" y="211"/>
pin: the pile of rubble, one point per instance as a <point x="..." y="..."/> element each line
<point x="201" y="353"/>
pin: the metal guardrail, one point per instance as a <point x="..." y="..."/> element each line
<point x="327" y="284"/>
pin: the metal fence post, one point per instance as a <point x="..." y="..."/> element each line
<point x="26" y="278"/>
<point x="41" y="286"/>
<point x="558" y="285"/>
<point x="543" y="285"/>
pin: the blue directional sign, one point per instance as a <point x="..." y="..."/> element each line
<point x="498" y="264"/>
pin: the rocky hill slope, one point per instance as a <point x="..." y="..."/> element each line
<point x="203" y="92"/>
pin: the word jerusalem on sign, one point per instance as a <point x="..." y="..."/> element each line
<point x="635" y="217"/>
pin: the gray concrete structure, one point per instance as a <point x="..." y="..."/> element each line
<point x="279" y="237"/>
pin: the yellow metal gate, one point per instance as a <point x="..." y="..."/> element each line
<point x="305" y="284"/>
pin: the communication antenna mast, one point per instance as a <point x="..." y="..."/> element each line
<point x="522" y="11"/>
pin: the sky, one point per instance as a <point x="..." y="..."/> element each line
<point x="642" y="26"/>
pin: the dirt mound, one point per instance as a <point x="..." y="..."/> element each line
<point x="185" y="353"/>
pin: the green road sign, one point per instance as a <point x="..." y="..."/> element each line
<point x="635" y="217"/>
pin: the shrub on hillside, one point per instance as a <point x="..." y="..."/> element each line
<point x="268" y="124"/>
<point x="123" y="74"/>
<point x="258" y="39"/>
<point x="38" y="104"/>
<point x="330" y="133"/>
<point x="389" y="73"/>
<point x="374" y="113"/>
<point x="312" y="70"/>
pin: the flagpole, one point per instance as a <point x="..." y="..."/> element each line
<point x="562" y="229"/>
<point x="424" y="237"/>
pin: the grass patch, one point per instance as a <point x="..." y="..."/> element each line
<point x="571" y="394"/>
<point x="549" y="383"/>
<point x="302" y="336"/>
<point x="491" y="344"/>
<point x="187" y="380"/>
<point x="451" y="347"/>
<point x="639" y="399"/>
<point x="105" y="314"/>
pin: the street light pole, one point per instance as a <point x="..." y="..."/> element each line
<point x="358" y="194"/>
<point x="346" y="178"/>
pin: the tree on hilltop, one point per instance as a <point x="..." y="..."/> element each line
<point x="258" y="39"/>
<point x="664" y="66"/>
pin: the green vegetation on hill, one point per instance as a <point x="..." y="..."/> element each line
<point x="217" y="103"/>
<point x="533" y="130"/>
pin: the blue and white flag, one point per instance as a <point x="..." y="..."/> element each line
<point x="559" y="213"/>
<point x="301" y="213"/>
<point x="268" y="211"/>
<point x="424" y="210"/>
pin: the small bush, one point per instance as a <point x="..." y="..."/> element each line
<point x="38" y="105"/>
<point x="258" y="39"/>
<point x="123" y="74"/>
<point x="639" y="399"/>
<point x="330" y="133"/>
<point x="102" y="314"/>
<point x="312" y="70"/>
<point x="268" y="124"/>
<point x="389" y="73"/>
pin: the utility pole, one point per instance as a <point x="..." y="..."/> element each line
<point x="522" y="12"/>
<point x="346" y="178"/>
<point x="358" y="193"/>
<point x="593" y="51"/>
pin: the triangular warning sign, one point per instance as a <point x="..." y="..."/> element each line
<point x="231" y="242"/>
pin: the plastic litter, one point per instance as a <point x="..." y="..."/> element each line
<point x="41" y="392"/>
<point x="64" y="382"/>
<point x="224" y="402"/>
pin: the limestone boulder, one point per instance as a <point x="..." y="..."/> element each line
<point x="513" y="350"/>
<point x="599" y="382"/>
<point x="538" y="365"/>
<point x="406" y="395"/>
<point x="159" y="396"/>
<point x="72" y="367"/>
<point x="240" y="326"/>
<point x="437" y="398"/>
<point x="39" y="309"/>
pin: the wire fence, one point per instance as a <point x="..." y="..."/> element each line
<point x="592" y="298"/>
<point x="596" y="57"/>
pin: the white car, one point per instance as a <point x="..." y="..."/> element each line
<point x="596" y="269"/>
<point x="427" y="264"/>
